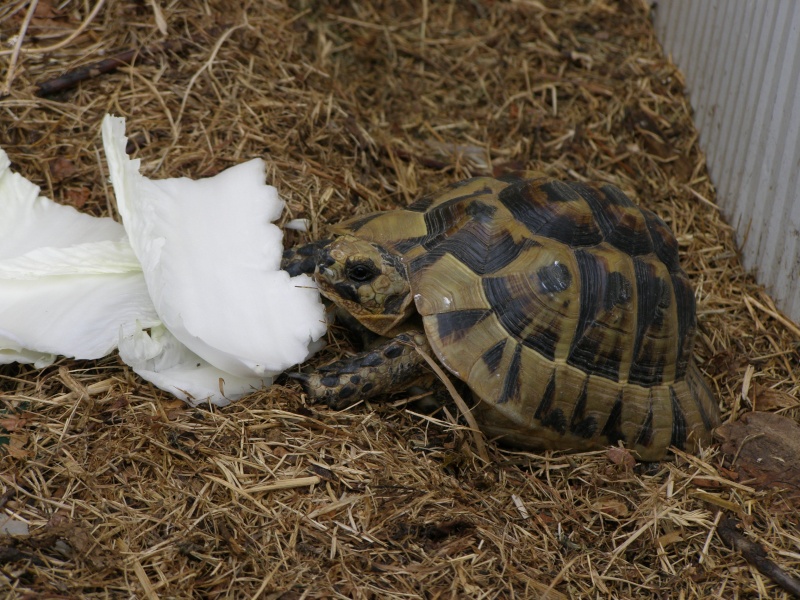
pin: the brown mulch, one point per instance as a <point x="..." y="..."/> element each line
<point x="358" y="106"/>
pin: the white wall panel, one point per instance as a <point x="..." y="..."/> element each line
<point x="741" y="61"/>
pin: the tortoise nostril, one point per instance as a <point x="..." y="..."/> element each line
<point x="325" y="261"/>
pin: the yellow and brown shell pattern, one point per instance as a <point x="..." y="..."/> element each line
<point x="562" y="305"/>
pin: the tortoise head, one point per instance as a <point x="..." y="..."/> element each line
<point x="366" y="280"/>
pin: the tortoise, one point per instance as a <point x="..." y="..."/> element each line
<point x="561" y="304"/>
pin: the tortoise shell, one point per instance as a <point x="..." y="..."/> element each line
<point x="562" y="305"/>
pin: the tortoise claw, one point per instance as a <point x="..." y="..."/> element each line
<point x="322" y="389"/>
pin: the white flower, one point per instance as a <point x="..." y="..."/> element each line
<point x="193" y="295"/>
<point x="67" y="280"/>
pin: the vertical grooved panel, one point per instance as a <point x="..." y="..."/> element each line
<point x="743" y="69"/>
<point x="721" y="73"/>
<point x="741" y="63"/>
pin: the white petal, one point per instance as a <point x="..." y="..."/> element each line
<point x="161" y="359"/>
<point x="67" y="280"/>
<point x="95" y="258"/>
<point x="298" y="224"/>
<point x="72" y="315"/>
<point x="211" y="259"/>
<point x="29" y="221"/>
<point x="11" y="352"/>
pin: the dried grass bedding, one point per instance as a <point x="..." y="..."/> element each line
<point x="358" y="106"/>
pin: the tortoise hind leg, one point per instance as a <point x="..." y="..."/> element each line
<point x="391" y="367"/>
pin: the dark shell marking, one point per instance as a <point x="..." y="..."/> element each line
<point x="562" y="305"/>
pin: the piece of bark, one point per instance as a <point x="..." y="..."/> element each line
<point x="72" y="78"/>
<point x="763" y="398"/>
<point x="755" y="555"/>
<point x="764" y="449"/>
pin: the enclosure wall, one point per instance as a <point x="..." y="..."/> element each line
<point x="741" y="61"/>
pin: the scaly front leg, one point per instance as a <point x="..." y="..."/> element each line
<point x="391" y="367"/>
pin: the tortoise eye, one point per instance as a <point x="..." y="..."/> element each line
<point x="360" y="273"/>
